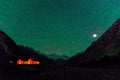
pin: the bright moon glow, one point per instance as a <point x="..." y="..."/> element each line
<point x="94" y="35"/>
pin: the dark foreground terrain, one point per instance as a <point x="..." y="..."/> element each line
<point x="63" y="74"/>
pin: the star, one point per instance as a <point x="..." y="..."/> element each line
<point x="94" y="35"/>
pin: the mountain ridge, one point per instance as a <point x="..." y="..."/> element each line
<point x="109" y="40"/>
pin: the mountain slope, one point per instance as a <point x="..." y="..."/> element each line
<point x="110" y="40"/>
<point x="10" y="52"/>
<point x="6" y="43"/>
<point x="56" y="57"/>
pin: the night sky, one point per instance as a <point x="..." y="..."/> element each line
<point x="63" y="27"/>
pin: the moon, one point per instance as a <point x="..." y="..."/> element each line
<point x="94" y="35"/>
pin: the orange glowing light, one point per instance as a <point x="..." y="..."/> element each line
<point x="29" y="62"/>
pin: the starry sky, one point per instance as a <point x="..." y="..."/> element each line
<point x="63" y="27"/>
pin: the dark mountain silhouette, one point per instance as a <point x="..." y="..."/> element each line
<point x="10" y="52"/>
<point x="107" y="44"/>
<point x="56" y="57"/>
<point x="6" y="43"/>
<point x="108" y="41"/>
<point x="59" y="69"/>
